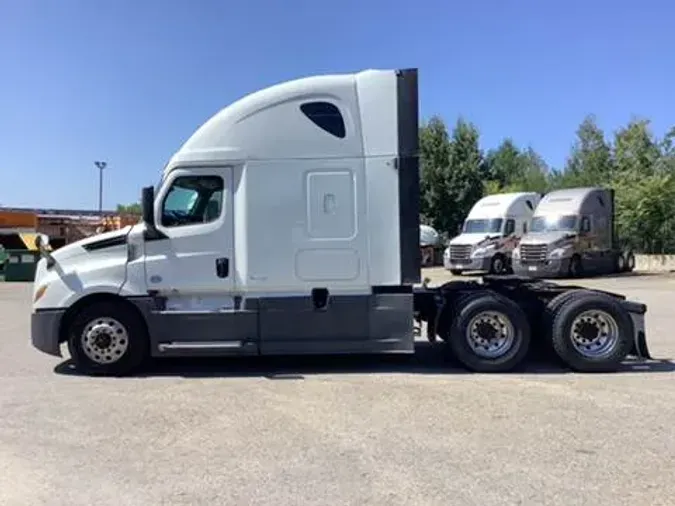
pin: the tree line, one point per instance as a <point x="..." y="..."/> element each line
<point x="640" y="167"/>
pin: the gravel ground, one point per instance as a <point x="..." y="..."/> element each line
<point x="340" y="431"/>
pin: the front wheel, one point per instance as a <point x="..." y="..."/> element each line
<point x="498" y="265"/>
<point x="108" y="338"/>
<point x="576" y="269"/>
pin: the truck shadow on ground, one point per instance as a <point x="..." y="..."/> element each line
<point x="428" y="359"/>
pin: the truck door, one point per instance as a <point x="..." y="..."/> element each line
<point x="195" y="262"/>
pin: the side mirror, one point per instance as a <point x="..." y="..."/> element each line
<point x="148" y="213"/>
<point x="148" y="206"/>
<point x="42" y="244"/>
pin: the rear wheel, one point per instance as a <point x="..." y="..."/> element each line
<point x="620" y="263"/>
<point x="456" y="272"/>
<point x="630" y="262"/>
<point x="489" y="333"/>
<point x="592" y="332"/>
<point x="108" y="338"/>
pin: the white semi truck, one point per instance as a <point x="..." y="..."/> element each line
<point x="573" y="234"/>
<point x="490" y="232"/>
<point x="289" y="224"/>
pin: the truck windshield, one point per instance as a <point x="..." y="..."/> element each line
<point x="488" y="226"/>
<point x="554" y="224"/>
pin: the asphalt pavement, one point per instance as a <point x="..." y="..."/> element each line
<point x="339" y="431"/>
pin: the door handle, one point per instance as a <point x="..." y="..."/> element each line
<point x="222" y="267"/>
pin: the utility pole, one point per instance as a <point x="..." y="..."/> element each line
<point x="101" y="166"/>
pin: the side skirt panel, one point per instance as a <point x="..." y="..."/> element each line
<point x="374" y="323"/>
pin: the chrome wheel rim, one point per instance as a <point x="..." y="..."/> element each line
<point x="104" y="340"/>
<point x="594" y="333"/>
<point x="490" y="334"/>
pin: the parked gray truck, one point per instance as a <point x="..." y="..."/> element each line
<point x="572" y="233"/>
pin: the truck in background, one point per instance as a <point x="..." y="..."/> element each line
<point x="431" y="247"/>
<point x="490" y="232"/>
<point x="573" y="234"/>
<point x="288" y="224"/>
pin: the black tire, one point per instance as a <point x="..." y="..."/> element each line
<point x="132" y="349"/>
<point x="576" y="269"/>
<point x="620" y="265"/>
<point x="563" y="342"/>
<point x="456" y="272"/>
<point x="450" y="308"/>
<point x="458" y="340"/>
<point x="498" y="265"/>
<point x="630" y="262"/>
<point x="554" y="304"/>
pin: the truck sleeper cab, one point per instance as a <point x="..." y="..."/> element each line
<point x="490" y="232"/>
<point x="288" y="224"/>
<point x="572" y="234"/>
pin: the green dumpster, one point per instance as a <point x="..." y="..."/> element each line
<point x="21" y="264"/>
<point x="3" y="259"/>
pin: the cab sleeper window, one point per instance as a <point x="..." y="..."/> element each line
<point x="193" y="200"/>
<point x="326" y="116"/>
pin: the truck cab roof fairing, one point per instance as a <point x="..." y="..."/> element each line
<point x="280" y="122"/>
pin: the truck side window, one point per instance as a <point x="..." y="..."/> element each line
<point x="193" y="200"/>
<point x="326" y="116"/>
<point x="510" y="227"/>
<point x="585" y="224"/>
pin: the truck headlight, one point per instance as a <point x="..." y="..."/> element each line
<point x="484" y="251"/>
<point x="446" y="253"/>
<point x="558" y="252"/>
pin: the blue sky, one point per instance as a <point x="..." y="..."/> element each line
<point x="127" y="81"/>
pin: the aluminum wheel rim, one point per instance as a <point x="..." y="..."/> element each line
<point x="599" y="345"/>
<point x="104" y="340"/>
<point x="490" y="334"/>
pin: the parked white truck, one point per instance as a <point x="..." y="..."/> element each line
<point x="289" y="223"/>
<point x="490" y="232"/>
<point x="573" y="234"/>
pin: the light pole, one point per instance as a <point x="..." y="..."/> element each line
<point x="100" y="166"/>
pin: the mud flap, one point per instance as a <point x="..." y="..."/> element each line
<point x="640" y="348"/>
<point x="637" y="314"/>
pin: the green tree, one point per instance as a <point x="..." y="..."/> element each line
<point x="636" y="151"/>
<point x="464" y="180"/>
<point x="451" y="179"/>
<point x="534" y="176"/>
<point x="590" y="162"/>
<point x="134" y="209"/>
<point x="644" y="182"/>
<point x="434" y="162"/>
<point x="504" y="164"/>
